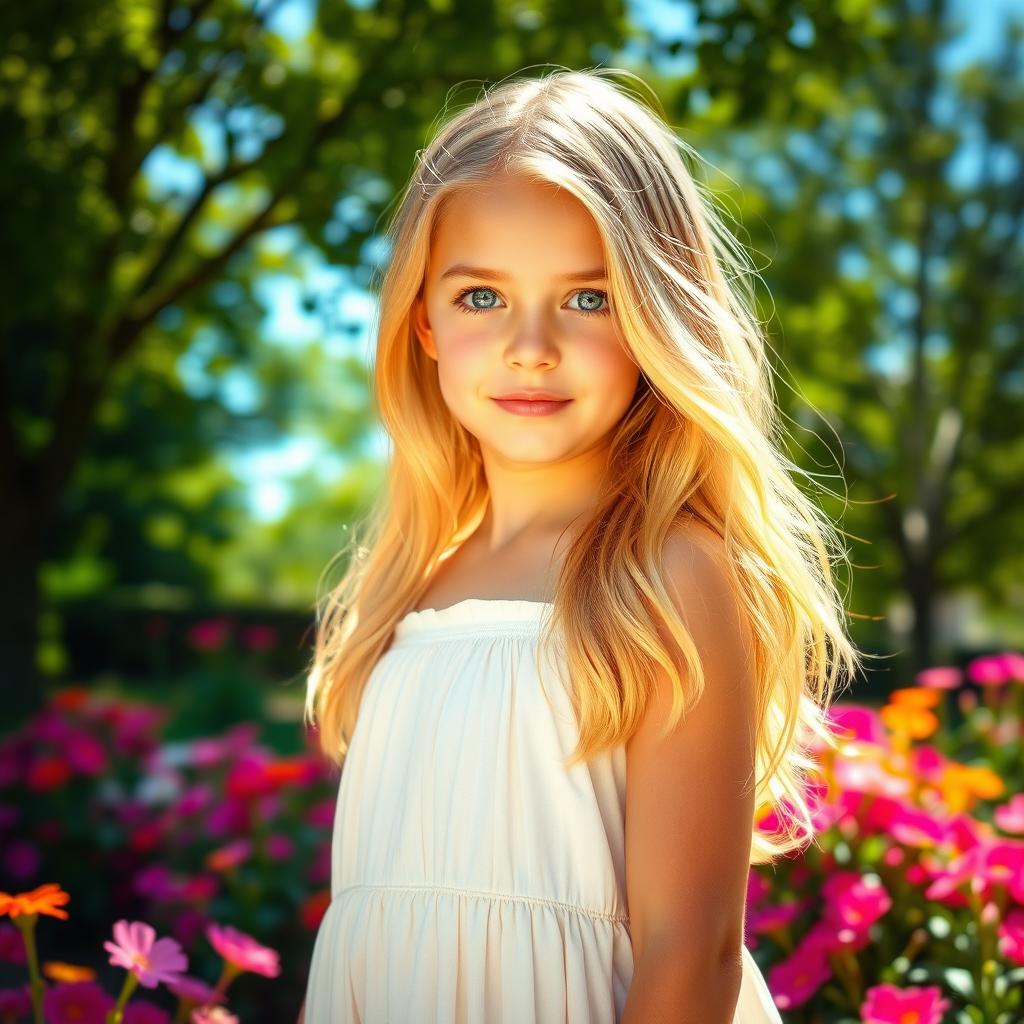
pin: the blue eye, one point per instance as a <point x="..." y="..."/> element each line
<point x="594" y="295"/>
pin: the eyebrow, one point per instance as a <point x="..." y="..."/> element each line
<point x="463" y="270"/>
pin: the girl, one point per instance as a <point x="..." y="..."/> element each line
<point x="592" y="627"/>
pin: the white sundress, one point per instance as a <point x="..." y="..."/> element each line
<point x="474" y="880"/>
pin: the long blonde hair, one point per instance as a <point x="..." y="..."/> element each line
<point x="701" y="440"/>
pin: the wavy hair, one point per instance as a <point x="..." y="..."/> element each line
<point x="701" y="440"/>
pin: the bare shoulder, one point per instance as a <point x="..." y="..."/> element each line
<point x="695" y="563"/>
<point x="694" y="779"/>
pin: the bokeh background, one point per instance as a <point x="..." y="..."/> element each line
<point x="194" y="195"/>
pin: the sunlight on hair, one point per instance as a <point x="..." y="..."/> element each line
<point x="701" y="441"/>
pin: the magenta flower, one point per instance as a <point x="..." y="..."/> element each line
<point x="85" y="754"/>
<point x="1011" y="936"/>
<point x="890" y="1004"/>
<point x="856" y="722"/>
<point x="157" y="882"/>
<point x="795" y="980"/>
<point x="212" y="1015"/>
<point x="15" y="1002"/>
<point x="279" y="846"/>
<point x="1013" y="665"/>
<point x="779" y="915"/>
<point x="259" y="638"/>
<point x="195" y="990"/>
<point x="243" y="951"/>
<point x="76" y="1002"/>
<point x="143" y="1012"/>
<point x="853" y="904"/>
<point x="151" y="960"/>
<point x="209" y="634"/>
<point x="12" y="946"/>
<point x="193" y="800"/>
<point x="990" y="670"/>
<point x="1010" y="816"/>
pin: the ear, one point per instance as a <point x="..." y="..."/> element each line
<point x="421" y="326"/>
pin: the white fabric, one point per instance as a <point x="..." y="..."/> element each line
<point x="474" y="880"/>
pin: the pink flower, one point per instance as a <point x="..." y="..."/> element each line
<point x="854" y="903"/>
<point x="853" y="721"/>
<point x="194" y="989"/>
<point x="279" y="847"/>
<point x="212" y="1015"/>
<point x="1013" y="665"/>
<point x="1010" y="816"/>
<point x="918" y="828"/>
<point x="990" y="670"/>
<point x="139" y="1011"/>
<point x="942" y="677"/>
<point x="1011" y="936"/>
<point x="194" y="799"/>
<point x="85" y="754"/>
<point x="259" y="638"/>
<point x="209" y="634"/>
<point x="243" y="950"/>
<point x="76" y="1002"/>
<point x="321" y="814"/>
<point x="780" y="915"/>
<point x="157" y="882"/>
<point x="152" y="962"/>
<point x="794" y="980"/>
<point x="15" y="1002"/>
<point x="889" y="1004"/>
<point x="249" y="777"/>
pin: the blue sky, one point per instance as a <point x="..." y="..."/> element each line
<point x="266" y="471"/>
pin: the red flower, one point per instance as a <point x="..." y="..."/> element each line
<point x="47" y="772"/>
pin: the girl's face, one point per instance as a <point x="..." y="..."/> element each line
<point x="514" y="299"/>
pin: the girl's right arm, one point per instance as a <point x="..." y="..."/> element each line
<point x="302" y="1013"/>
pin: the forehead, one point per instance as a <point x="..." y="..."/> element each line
<point x="513" y="223"/>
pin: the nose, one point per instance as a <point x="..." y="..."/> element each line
<point x="532" y="345"/>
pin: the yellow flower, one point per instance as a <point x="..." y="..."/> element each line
<point x="57" y="970"/>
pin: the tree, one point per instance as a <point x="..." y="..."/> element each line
<point x="884" y="182"/>
<point x="277" y="127"/>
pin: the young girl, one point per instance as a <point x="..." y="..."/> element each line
<point x="592" y="626"/>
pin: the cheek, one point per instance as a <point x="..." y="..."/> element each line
<point x="461" y="358"/>
<point x="612" y="371"/>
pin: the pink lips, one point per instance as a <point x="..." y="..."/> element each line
<point x="532" y="406"/>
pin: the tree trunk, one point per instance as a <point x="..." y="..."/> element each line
<point x="20" y="556"/>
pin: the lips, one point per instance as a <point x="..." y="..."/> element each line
<point x="532" y="406"/>
<point x="531" y="396"/>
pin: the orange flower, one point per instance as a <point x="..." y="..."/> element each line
<point x="916" y="696"/>
<point x="60" y="971"/>
<point x="914" y="722"/>
<point x="963" y="784"/>
<point x="43" y="899"/>
<point x="70" y="698"/>
<point x="285" y="769"/>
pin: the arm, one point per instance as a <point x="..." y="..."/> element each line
<point x="302" y="1013"/>
<point x="690" y="808"/>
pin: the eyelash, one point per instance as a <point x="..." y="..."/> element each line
<point x="457" y="301"/>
